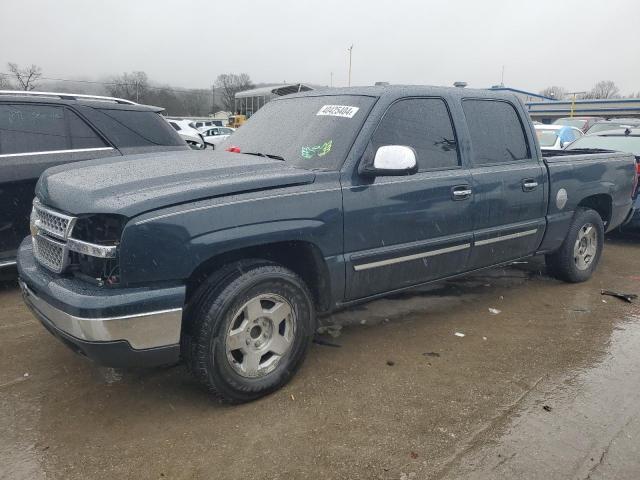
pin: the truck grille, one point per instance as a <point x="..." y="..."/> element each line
<point x="49" y="232"/>
<point x="50" y="253"/>
<point x="56" y="225"/>
<point x="52" y="222"/>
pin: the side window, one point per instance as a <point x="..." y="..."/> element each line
<point x="496" y="131"/>
<point x="32" y="128"/>
<point x="135" y="128"/>
<point x="81" y="134"/>
<point x="425" y="125"/>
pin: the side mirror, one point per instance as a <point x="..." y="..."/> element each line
<point x="392" y="160"/>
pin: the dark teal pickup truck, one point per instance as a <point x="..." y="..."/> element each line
<point x="321" y="200"/>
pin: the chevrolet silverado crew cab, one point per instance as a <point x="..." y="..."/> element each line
<point x="323" y="199"/>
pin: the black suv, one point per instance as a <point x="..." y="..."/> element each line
<point x="39" y="130"/>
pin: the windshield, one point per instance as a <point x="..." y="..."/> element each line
<point x="572" y="122"/>
<point x="547" y="138"/>
<point x="308" y="132"/>
<point x="602" y="127"/>
<point x="627" y="144"/>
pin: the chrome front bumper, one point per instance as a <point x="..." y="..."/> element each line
<point x="141" y="331"/>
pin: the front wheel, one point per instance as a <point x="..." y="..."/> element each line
<point x="249" y="330"/>
<point x="578" y="257"/>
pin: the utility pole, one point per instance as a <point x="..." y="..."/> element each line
<point x="502" y="78"/>
<point x="350" y="51"/>
<point x="213" y="99"/>
<point x="137" y="92"/>
<point x="332" y="79"/>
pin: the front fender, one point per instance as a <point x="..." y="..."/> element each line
<point x="169" y="247"/>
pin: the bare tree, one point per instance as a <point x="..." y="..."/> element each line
<point x="604" y="89"/>
<point x="554" y="92"/>
<point x="26" y="77"/>
<point x="131" y="86"/>
<point x="230" y="84"/>
<point x="5" y="84"/>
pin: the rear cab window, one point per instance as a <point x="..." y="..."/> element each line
<point x="496" y="131"/>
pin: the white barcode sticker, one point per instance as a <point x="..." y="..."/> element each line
<point x="338" y="111"/>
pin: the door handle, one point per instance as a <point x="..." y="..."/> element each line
<point x="529" y="184"/>
<point x="461" y="192"/>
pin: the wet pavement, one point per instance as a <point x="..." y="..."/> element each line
<point x="547" y="386"/>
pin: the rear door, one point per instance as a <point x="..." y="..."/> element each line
<point x="402" y="231"/>
<point x="508" y="183"/>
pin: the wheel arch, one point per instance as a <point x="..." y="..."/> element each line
<point x="300" y="256"/>
<point x="602" y="203"/>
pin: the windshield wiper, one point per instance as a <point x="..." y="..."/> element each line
<point x="265" y="155"/>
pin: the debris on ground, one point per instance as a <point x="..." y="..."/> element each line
<point x="431" y="354"/>
<point x="413" y="455"/>
<point x="458" y="334"/>
<point x="25" y="375"/>
<point x="547" y="408"/>
<point x="292" y="397"/>
<point x="484" y="338"/>
<point x="391" y="363"/>
<point x="494" y="311"/>
<point x="321" y="341"/>
<point x="333" y="330"/>
<point x="627" y="297"/>
<point x="363" y="321"/>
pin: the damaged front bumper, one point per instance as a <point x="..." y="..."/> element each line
<point x="123" y="327"/>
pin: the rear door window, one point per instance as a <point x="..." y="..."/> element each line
<point x="497" y="133"/>
<point x="423" y="124"/>
<point x="32" y="128"/>
<point x="81" y="134"/>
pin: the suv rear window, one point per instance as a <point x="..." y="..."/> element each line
<point x="132" y="128"/>
<point x="497" y="134"/>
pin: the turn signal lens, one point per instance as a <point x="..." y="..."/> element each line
<point x="233" y="149"/>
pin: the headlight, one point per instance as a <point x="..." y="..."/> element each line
<point x="94" y="245"/>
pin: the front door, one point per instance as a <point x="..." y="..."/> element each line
<point x="402" y="231"/>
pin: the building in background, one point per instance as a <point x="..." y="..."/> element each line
<point x="249" y="102"/>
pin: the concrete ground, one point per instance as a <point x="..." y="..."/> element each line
<point x="547" y="388"/>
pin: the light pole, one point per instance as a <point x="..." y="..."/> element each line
<point x="573" y="102"/>
<point x="350" y="51"/>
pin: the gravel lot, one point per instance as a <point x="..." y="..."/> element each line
<point x="547" y="388"/>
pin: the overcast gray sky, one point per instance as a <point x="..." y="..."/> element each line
<point x="571" y="43"/>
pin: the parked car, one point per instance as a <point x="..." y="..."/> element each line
<point x="203" y="125"/>
<point x="331" y="198"/>
<point x="39" y="130"/>
<point x="189" y="134"/>
<point x="613" y="124"/>
<point x="556" y="137"/>
<point x="620" y="140"/>
<point x="215" y="136"/>
<point x="583" y="123"/>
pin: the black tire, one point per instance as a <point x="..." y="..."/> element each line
<point x="562" y="263"/>
<point x="210" y="315"/>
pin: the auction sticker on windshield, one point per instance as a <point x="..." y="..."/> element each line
<point x="345" y="111"/>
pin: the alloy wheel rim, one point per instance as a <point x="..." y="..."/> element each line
<point x="259" y="335"/>
<point x="586" y="246"/>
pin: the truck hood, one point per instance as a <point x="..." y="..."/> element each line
<point x="134" y="184"/>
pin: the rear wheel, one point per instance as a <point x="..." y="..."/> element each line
<point x="578" y="257"/>
<point x="249" y="330"/>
